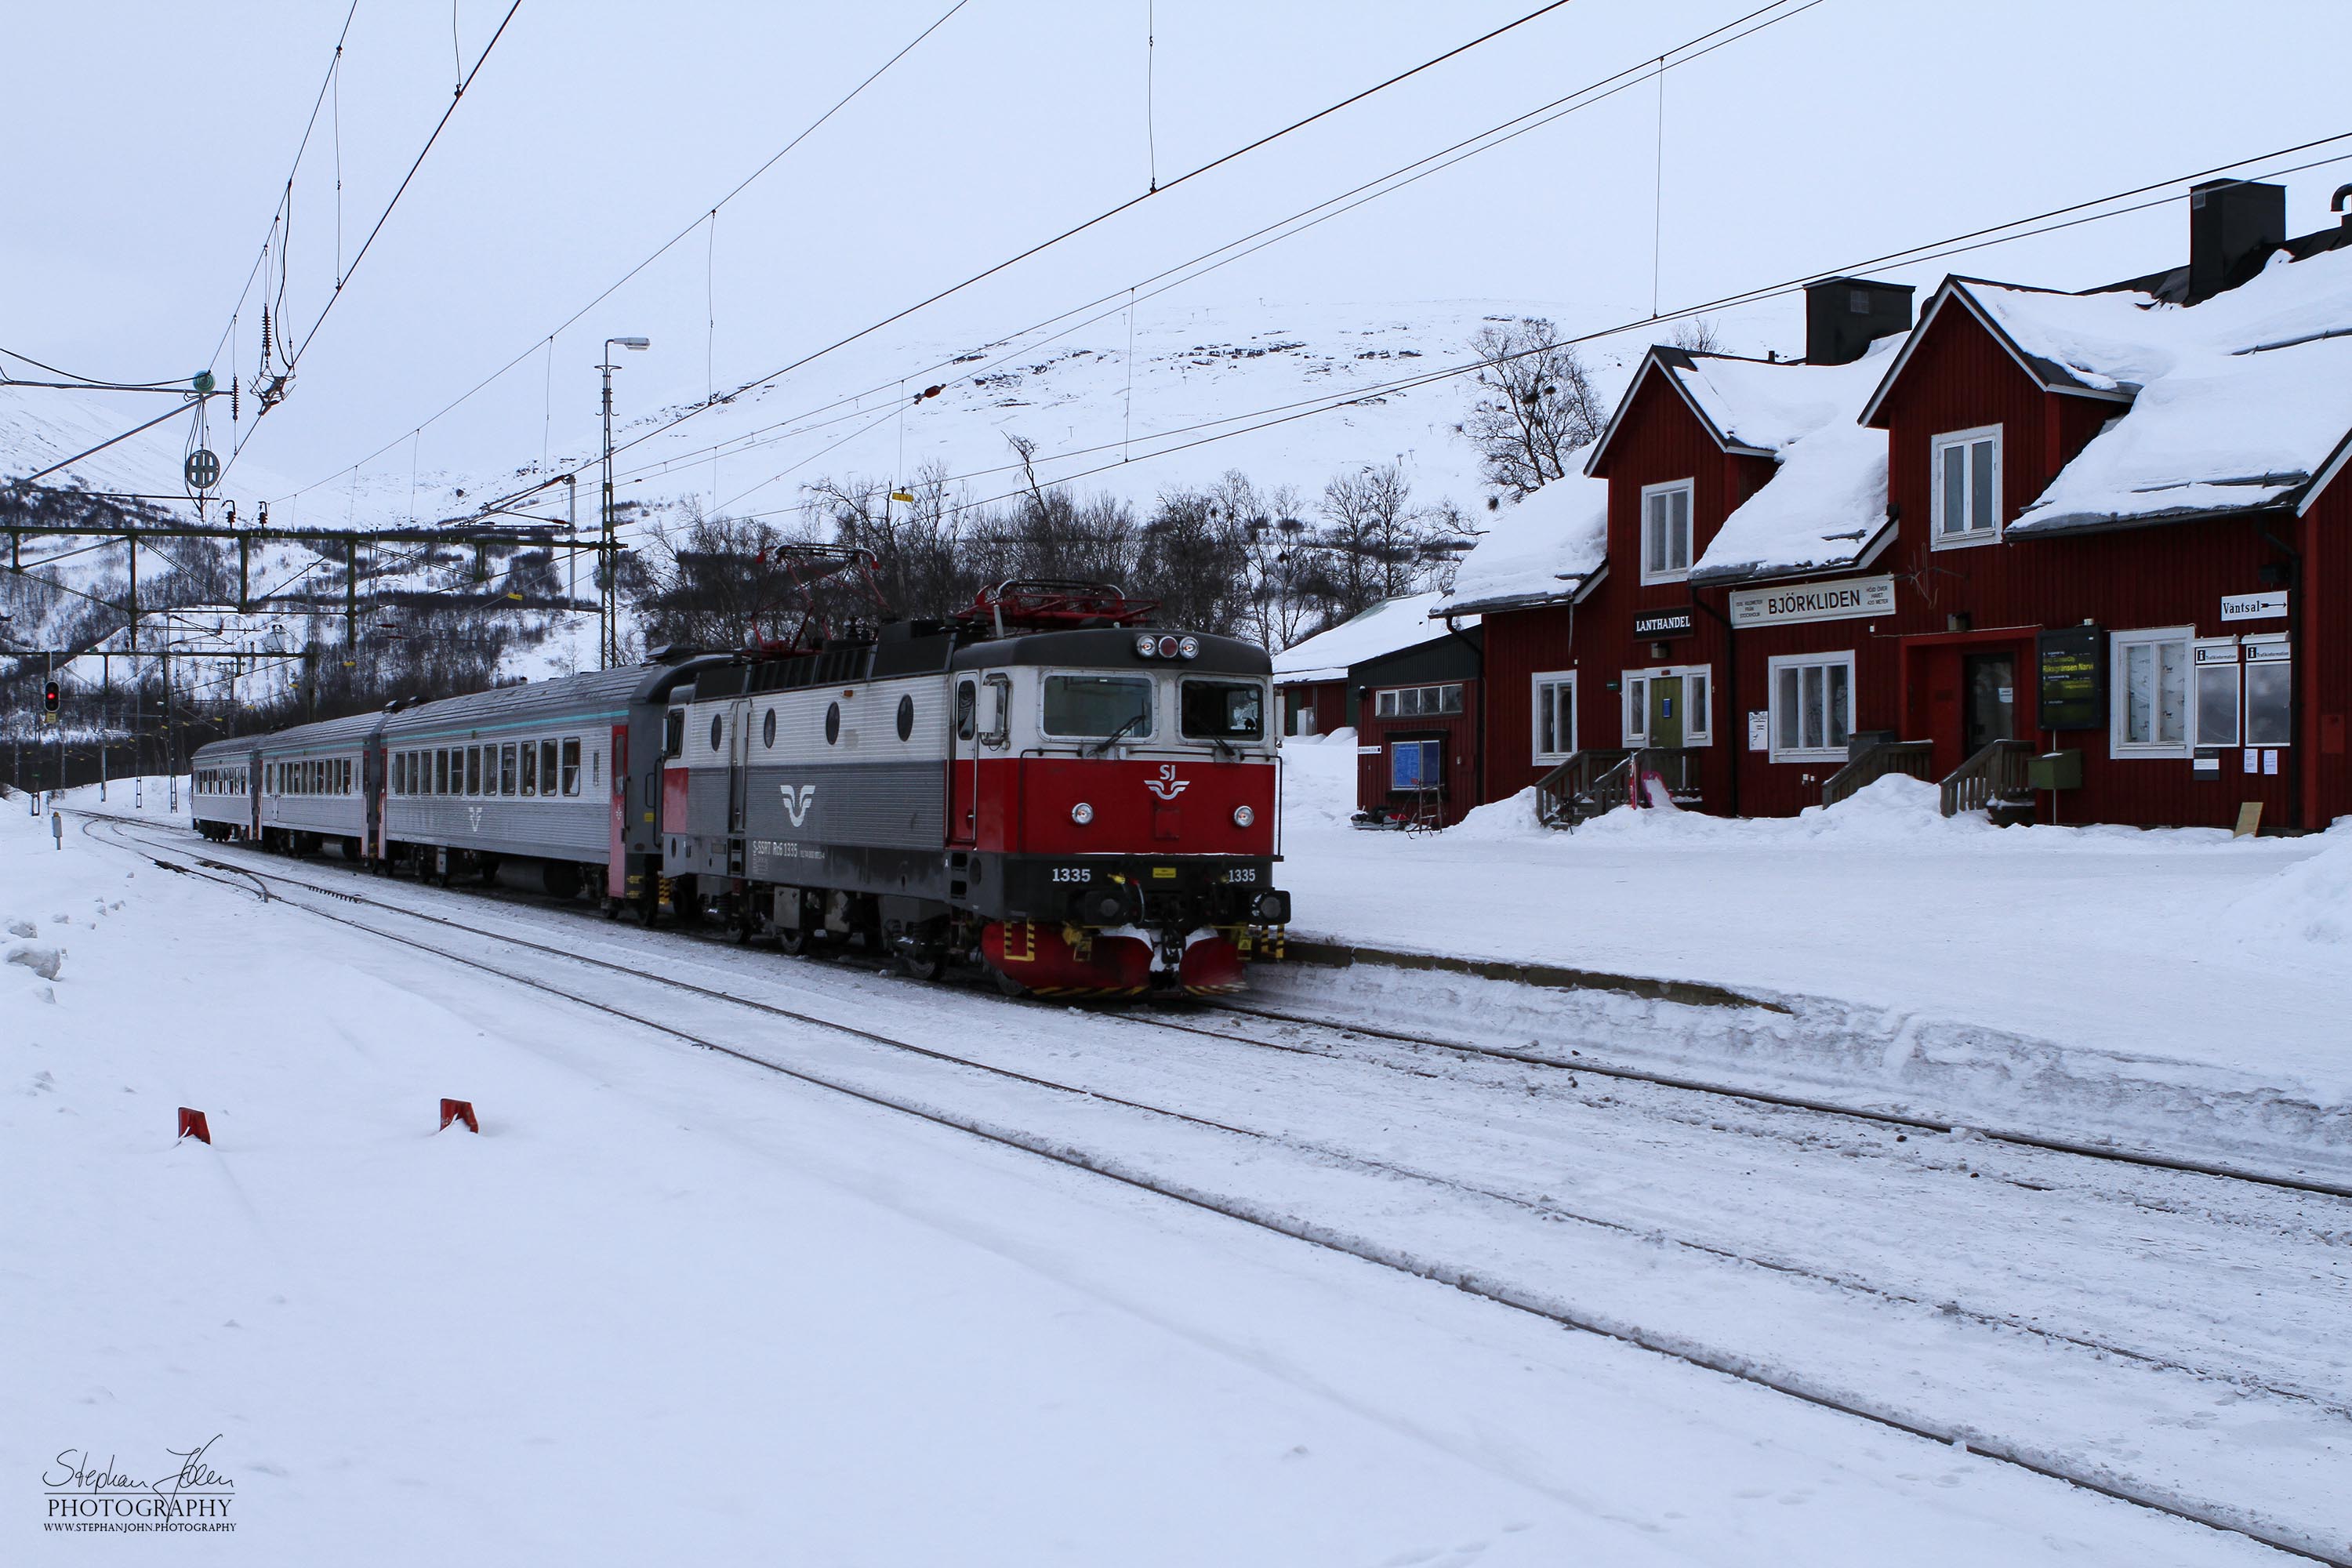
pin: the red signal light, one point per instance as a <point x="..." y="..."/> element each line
<point x="49" y="698"/>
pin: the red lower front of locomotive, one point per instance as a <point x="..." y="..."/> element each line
<point x="1118" y="876"/>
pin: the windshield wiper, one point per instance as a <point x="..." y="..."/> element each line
<point x="1227" y="747"/>
<point x="1113" y="739"/>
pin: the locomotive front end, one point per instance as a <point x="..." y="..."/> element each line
<point x="1123" y="794"/>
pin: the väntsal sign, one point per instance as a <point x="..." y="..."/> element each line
<point x="1845" y="599"/>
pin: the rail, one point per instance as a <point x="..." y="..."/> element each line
<point x="1996" y="774"/>
<point x="1910" y="758"/>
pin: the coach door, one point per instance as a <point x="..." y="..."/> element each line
<point x="253" y="795"/>
<point x="963" y="762"/>
<point x="738" y="763"/>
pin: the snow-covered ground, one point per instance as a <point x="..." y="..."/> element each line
<point x="668" y="1305"/>
<point x="2158" y="986"/>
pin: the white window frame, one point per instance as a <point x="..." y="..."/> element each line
<point x="1688" y="490"/>
<point x="1634" y="718"/>
<point x="1548" y="687"/>
<point x="1775" y="751"/>
<point x="1937" y="447"/>
<point x="2118" y="691"/>
<point x="1388" y="701"/>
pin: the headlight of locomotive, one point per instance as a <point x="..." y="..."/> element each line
<point x="1144" y="645"/>
<point x="1082" y="814"/>
<point x="1243" y="817"/>
<point x="1187" y="647"/>
<point x="1272" y="908"/>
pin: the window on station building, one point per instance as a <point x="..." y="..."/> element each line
<point x="1418" y="702"/>
<point x="1555" y="715"/>
<point x="2148" y="693"/>
<point x="1812" y="707"/>
<point x="1666" y="531"/>
<point x="1964" y="468"/>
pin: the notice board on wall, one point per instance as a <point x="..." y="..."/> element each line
<point x="2071" y="689"/>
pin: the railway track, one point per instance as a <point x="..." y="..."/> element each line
<point x="1499" y="1291"/>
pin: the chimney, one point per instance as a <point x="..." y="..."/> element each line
<point x="2234" y="226"/>
<point x="1843" y="316"/>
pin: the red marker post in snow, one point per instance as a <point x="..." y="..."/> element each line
<point x="459" y="1111"/>
<point x="193" y="1125"/>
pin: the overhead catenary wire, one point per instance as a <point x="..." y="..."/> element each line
<point x="1099" y="218"/>
<point x="656" y="254"/>
<point x="1977" y="240"/>
<point x="1023" y="341"/>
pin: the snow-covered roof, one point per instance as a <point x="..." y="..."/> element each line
<point x="1538" y="550"/>
<point x="2233" y="405"/>
<point x="1826" y="501"/>
<point x="1390" y="627"/>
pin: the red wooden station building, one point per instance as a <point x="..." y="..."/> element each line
<point x="2073" y="557"/>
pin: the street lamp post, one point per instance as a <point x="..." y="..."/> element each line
<point x="609" y="615"/>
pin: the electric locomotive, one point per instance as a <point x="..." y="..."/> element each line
<point x="1046" y="785"/>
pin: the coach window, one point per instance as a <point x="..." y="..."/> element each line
<point x="674" y="733"/>
<point x="473" y="770"/>
<point x="572" y="766"/>
<point x="507" y="768"/>
<point x="440" y="783"/>
<point x="529" y="768"/>
<point x="1098" y="706"/>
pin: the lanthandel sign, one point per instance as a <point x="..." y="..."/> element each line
<point x="1845" y="599"/>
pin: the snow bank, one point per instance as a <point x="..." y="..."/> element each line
<point x="2310" y="902"/>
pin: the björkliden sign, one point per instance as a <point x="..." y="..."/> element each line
<point x="1843" y="600"/>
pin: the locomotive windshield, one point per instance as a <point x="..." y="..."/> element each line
<point x="1223" y="710"/>
<point x="1089" y="706"/>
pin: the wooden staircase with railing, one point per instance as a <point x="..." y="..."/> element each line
<point x="1994" y="781"/>
<point x="1594" y="781"/>
<point x="1914" y="759"/>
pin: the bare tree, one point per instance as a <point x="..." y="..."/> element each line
<point x="1699" y="335"/>
<point x="1536" y="404"/>
<point x="1373" y="538"/>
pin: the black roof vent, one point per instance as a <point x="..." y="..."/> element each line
<point x="1843" y="316"/>
<point x="2234" y="226"/>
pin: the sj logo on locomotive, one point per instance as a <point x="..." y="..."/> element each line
<point x="1167" y="786"/>
<point x="797" y="803"/>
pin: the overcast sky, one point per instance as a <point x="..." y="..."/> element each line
<point x="150" y="143"/>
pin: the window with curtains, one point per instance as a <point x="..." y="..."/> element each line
<point x="2148" y="693"/>
<point x="1810" y="707"/>
<point x="1555" y="715"/>
<point x="1666" y="531"/>
<point x="1965" y="470"/>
